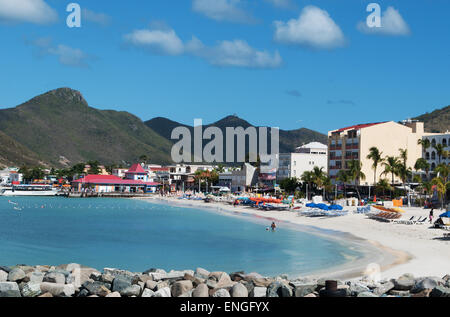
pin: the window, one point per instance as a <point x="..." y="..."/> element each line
<point x="433" y="155"/>
<point x="427" y="156"/>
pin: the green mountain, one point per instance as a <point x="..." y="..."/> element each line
<point x="61" y="129"/>
<point x="289" y="140"/>
<point x="436" y="122"/>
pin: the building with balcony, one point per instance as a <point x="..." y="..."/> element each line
<point x="355" y="142"/>
<point x="304" y="159"/>
<point x="431" y="155"/>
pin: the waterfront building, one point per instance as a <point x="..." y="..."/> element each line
<point x="431" y="154"/>
<point x="137" y="172"/>
<point x="305" y="158"/>
<point x="112" y="184"/>
<point x="354" y="143"/>
<point x="241" y="180"/>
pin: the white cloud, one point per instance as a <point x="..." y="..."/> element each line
<point x="314" y="28"/>
<point x="99" y="18"/>
<point x="158" y="41"/>
<point x="66" y="55"/>
<point x="32" y="11"/>
<point x="392" y="23"/>
<point x="284" y="4"/>
<point x="222" y="10"/>
<point x="237" y="53"/>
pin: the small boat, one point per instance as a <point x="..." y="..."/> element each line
<point x="29" y="190"/>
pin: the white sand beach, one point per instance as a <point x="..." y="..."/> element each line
<point x="416" y="249"/>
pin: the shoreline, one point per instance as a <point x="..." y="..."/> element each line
<point x="371" y="251"/>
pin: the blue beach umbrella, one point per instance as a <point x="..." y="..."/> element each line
<point x="445" y="215"/>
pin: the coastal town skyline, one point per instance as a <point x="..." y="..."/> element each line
<point x="240" y="58"/>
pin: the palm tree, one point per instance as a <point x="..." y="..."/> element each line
<point x="343" y="177"/>
<point x="375" y="156"/>
<point x="440" y="151"/>
<point x="404" y="172"/>
<point x="356" y="174"/>
<point x="391" y="164"/>
<point x="422" y="165"/>
<point x="441" y="186"/>
<point x="426" y="144"/>
<point x="443" y="171"/>
<point x="307" y="178"/>
<point x="383" y="185"/>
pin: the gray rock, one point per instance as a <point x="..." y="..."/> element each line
<point x="55" y="277"/>
<point x="151" y="285"/>
<point x="279" y="289"/>
<point x="147" y="293"/>
<point x="201" y="291"/>
<point x="301" y="290"/>
<point x="107" y="278"/>
<point x="400" y="293"/>
<point x="9" y="289"/>
<point x="35" y="277"/>
<point x="181" y="287"/>
<point x="356" y="288"/>
<point x="239" y="290"/>
<point x="383" y="288"/>
<point x="133" y="290"/>
<point x="221" y="293"/>
<point x="426" y="283"/>
<point x="58" y="290"/>
<point x="163" y="292"/>
<point x="97" y="288"/>
<point x="120" y="283"/>
<point x="113" y="294"/>
<point x="404" y="284"/>
<point x="366" y="294"/>
<point x="16" y="275"/>
<point x="7" y="269"/>
<point x="96" y="276"/>
<point x="187" y="294"/>
<point x="259" y="292"/>
<point x="31" y="289"/>
<point x="202" y="273"/>
<point x="440" y="291"/>
<point x="3" y="276"/>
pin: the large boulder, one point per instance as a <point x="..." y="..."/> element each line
<point x="3" y="276"/>
<point x="424" y="284"/>
<point x="259" y="292"/>
<point x="440" y="291"/>
<point x="120" y="283"/>
<point x="55" y="277"/>
<point x="301" y="290"/>
<point x="356" y="288"/>
<point x="58" y="290"/>
<point x="201" y="290"/>
<point x="133" y="290"/>
<point x="279" y="289"/>
<point x="181" y="287"/>
<point x="384" y="288"/>
<point x="113" y="294"/>
<point x="151" y="285"/>
<point x="221" y="293"/>
<point x="31" y="289"/>
<point x="404" y="283"/>
<point x="163" y="292"/>
<point x="97" y="288"/>
<point x="202" y="273"/>
<point x="35" y="277"/>
<point x="16" y="275"/>
<point x="239" y="290"/>
<point x="148" y="293"/>
<point x="9" y="289"/>
<point x="366" y="294"/>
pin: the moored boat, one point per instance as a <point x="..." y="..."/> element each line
<point x="28" y="190"/>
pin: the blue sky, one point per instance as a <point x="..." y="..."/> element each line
<point x="284" y="63"/>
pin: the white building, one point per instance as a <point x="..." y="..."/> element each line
<point x="304" y="159"/>
<point x="239" y="180"/>
<point x="431" y="154"/>
<point x="10" y="175"/>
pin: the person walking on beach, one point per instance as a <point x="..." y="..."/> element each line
<point x="431" y="215"/>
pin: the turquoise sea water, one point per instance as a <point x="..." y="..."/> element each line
<point x="137" y="235"/>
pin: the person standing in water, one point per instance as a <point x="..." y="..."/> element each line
<point x="273" y="226"/>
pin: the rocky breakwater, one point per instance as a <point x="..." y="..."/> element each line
<point x="73" y="280"/>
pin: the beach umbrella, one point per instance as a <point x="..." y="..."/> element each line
<point x="445" y="215"/>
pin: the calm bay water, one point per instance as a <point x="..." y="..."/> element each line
<point x="136" y="236"/>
